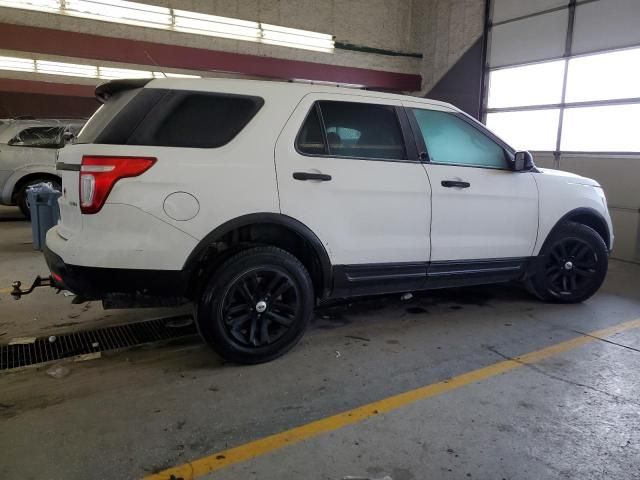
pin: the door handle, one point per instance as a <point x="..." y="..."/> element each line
<point x="323" y="177"/>
<point x="455" y="183"/>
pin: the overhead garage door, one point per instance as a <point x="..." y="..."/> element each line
<point x="564" y="76"/>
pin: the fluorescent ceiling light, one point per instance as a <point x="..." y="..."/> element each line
<point x="109" y="73"/>
<point x="296" y="32"/>
<point x="216" y="26"/>
<point x="67" y="69"/>
<point x="173" y="75"/>
<point x="276" y="38"/>
<point x="292" y="37"/>
<point x="17" y="64"/>
<point x="121" y="11"/>
<point x="45" y="5"/>
<point x="179" y="75"/>
<point x="47" y="67"/>
<point x="141" y="14"/>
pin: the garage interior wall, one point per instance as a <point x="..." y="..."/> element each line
<point x="563" y="80"/>
<point x="453" y="51"/>
<point x="377" y="39"/>
<point x="416" y="46"/>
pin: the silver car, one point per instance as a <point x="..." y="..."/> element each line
<point x="28" y="150"/>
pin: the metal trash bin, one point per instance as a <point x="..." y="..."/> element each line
<point x="45" y="212"/>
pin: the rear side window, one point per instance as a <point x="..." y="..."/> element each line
<point x="363" y="130"/>
<point x="171" y="118"/>
<point x="357" y="130"/>
<point x="199" y="120"/>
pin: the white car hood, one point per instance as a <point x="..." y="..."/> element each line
<point x="570" y="177"/>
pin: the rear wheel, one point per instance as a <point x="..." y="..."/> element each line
<point x="256" y="306"/>
<point x="572" y="265"/>
<point x="21" y="196"/>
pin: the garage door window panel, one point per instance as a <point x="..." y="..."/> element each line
<point x="537" y="84"/>
<point x="612" y="128"/>
<point x="453" y="141"/>
<point x="607" y="76"/>
<point x="527" y="130"/>
<point x="360" y="130"/>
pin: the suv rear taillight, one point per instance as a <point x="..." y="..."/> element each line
<point x="98" y="175"/>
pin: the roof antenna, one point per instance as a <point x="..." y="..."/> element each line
<point x="154" y="62"/>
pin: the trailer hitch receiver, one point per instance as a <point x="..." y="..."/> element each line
<point x="17" y="292"/>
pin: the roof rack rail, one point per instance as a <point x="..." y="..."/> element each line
<point x="328" y="83"/>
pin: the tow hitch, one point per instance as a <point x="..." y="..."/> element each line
<point x="17" y="293"/>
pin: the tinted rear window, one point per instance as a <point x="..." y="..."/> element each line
<point x="104" y="116"/>
<point x="177" y="118"/>
<point x="203" y="120"/>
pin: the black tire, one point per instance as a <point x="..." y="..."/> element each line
<point x="21" y="195"/>
<point x="572" y="265"/>
<point x="232" y="318"/>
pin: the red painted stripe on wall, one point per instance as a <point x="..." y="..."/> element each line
<point x="95" y="47"/>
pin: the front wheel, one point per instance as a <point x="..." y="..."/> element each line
<point x="256" y="306"/>
<point x="572" y="265"/>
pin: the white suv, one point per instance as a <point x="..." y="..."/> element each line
<point x="256" y="200"/>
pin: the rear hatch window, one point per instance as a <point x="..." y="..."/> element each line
<point x="105" y="115"/>
<point x="170" y="118"/>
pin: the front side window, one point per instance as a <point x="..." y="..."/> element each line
<point x="451" y="140"/>
<point x="357" y="130"/>
<point x="43" y="137"/>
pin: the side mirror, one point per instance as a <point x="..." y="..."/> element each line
<point x="67" y="137"/>
<point x="522" y="161"/>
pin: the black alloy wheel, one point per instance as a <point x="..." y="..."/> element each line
<point x="572" y="265"/>
<point x="256" y="305"/>
<point x="260" y="306"/>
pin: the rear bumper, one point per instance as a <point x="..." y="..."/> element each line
<point x="93" y="283"/>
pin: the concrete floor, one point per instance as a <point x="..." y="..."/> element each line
<point x="129" y="414"/>
<point x="43" y="311"/>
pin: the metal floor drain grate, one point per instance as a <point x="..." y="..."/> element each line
<point x="98" y="340"/>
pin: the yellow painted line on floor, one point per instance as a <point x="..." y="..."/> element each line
<point x="262" y="446"/>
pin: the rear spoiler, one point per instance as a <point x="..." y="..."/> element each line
<point x="106" y="90"/>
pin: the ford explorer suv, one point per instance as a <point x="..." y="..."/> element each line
<point x="256" y="200"/>
<point x="28" y="149"/>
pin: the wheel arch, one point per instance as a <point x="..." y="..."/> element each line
<point x="27" y="177"/>
<point x="267" y="229"/>
<point x="585" y="216"/>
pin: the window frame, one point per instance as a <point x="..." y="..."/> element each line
<point x="408" y="139"/>
<point x="509" y="151"/>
